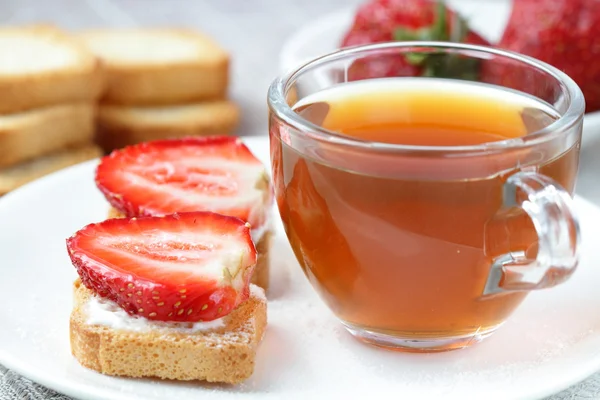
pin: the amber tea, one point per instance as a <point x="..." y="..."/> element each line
<point x="404" y="247"/>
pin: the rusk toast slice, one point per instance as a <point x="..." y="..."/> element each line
<point x="35" y="133"/>
<point x="159" y="66"/>
<point x="262" y="272"/>
<point x="120" y="126"/>
<point x="225" y="353"/>
<point x="42" y="66"/>
<point x="20" y="174"/>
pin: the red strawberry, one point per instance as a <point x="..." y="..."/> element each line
<point x="183" y="267"/>
<point x="563" y="33"/>
<point x="388" y="20"/>
<point x="217" y="174"/>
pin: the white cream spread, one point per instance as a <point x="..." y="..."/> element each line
<point x="107" y="313"/>
<point x="258" y="292"/>
<point x="259" y="232"/>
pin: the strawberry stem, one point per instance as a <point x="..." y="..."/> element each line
<point x="437" y="31"/>
<point x="437" y="64"/>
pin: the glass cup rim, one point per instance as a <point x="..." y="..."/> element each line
<point x="278" y="105"/>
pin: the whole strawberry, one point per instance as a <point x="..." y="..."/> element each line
<point x="388" y="20"/>
<point x="563" y="33"/>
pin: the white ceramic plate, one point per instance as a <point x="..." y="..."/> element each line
<point x="322" y="36"/>
<point x="551" y="342"/>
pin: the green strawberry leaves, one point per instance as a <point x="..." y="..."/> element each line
<point x="440" y="64"/>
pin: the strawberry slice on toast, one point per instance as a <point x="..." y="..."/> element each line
<point x="185" y="267"/>
<point x="215" y="173"/>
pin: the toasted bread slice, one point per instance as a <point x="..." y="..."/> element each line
<point x="225" y="353"/>
<point x="122" y="126"/>
<point x="261" y="275"/>
<point x="159" y="66"/>
<point x="42" y="66"/>
<point x="35" y="133"/>
<point x="20" y="174"/>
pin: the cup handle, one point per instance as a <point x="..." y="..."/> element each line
<point x="552" y="212"/>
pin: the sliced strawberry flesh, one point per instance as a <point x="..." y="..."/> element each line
<point x="217" y="174"/>
<point x="182" y="267"/>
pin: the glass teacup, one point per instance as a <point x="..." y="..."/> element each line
<point x="427" y="247"/>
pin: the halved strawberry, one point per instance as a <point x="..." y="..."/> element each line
<point x="217" y="173"/>
<point x="183" y="267"/>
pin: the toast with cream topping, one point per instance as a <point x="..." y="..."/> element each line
<point x="219" y="352"/>
<point x="167" y="297"/>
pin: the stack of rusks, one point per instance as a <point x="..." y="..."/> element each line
<point x="70" y="97"/>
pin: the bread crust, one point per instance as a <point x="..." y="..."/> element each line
<point x="118" y="126"/>
<point x="225" y="354"/>
<point x="167" y="85"/>
<point x="36" y="133"/>
<point x="80" y="81"/>
<point x="261" y="275"/>
<point x="18" y="175"/>
<point x="202" y="75"/>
